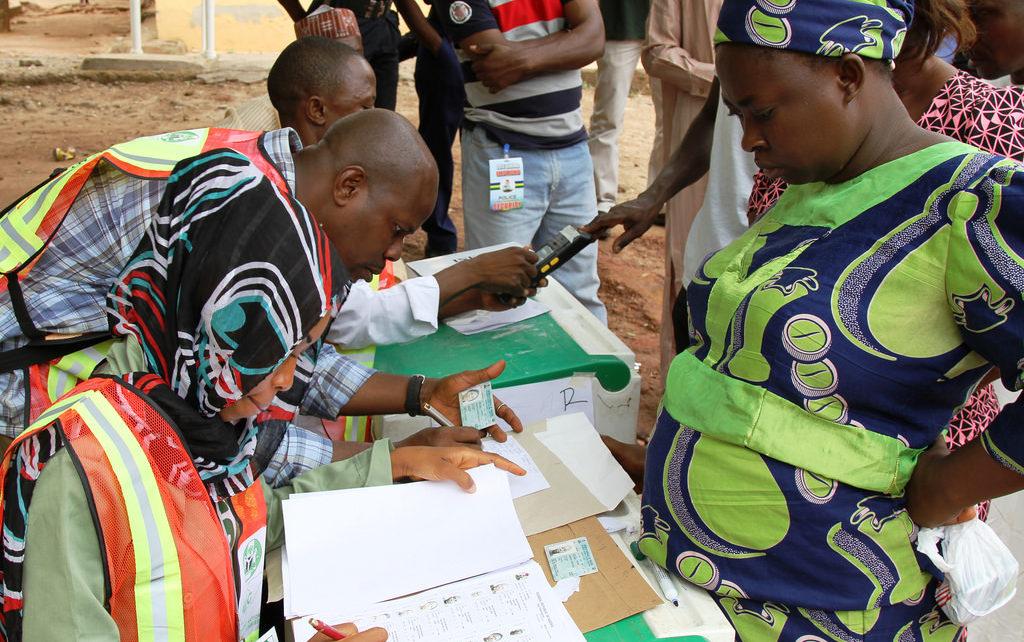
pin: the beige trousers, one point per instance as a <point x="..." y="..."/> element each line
<point x="615" y="71"/>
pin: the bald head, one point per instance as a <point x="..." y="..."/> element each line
<point x="386" y="145"/>
<point x="370" y="182"/>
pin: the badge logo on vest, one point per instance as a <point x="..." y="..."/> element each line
<point x="252" y="558"/>
<point x="179" y="137"/>
<point x="460" y="12"/>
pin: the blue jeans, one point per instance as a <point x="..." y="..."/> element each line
<point x="559" y="192"/>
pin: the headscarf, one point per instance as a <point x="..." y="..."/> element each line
<point x="230" y="276"/>
<point x="869" y="28"/>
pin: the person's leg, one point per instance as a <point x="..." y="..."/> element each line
<point x="573" y="203"/>
<point x="380" y="48"/>
<point x="615" y="70"/>
<point x="657" y="159"/>
<point x="484" y="226"/>
<point x="439" y="87"/>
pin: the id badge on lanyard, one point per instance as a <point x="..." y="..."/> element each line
<point x="250" y="556"/>
<point x="506" y="183"/>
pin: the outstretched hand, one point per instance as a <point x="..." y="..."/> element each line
<point x="442" y="437"/>
<point x="636" y="216"/>
<point x="443" y="394"/>
<point x="436" y="464"/>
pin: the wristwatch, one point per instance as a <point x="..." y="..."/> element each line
<point x="412" y="395"/>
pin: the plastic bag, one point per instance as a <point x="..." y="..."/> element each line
<point x="981" y="573"/>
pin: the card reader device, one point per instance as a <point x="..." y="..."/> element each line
<point x="554" y="254"/>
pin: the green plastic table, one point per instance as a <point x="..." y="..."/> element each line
<point x="536" y="349"/>
<point x="634" y="629"/>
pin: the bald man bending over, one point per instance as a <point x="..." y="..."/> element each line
<point x="368" y="202"/>
<point x="314" y="82"/>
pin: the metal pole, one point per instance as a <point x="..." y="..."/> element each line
<point x="135" y="16"/>
<point x="209" y="40"/>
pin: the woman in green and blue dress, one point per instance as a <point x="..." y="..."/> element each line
<point x="793" y="461"/>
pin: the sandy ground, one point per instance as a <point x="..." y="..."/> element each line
<point x="89" y="116"/>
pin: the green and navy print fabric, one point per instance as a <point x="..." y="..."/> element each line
<point x="869" y="28"/>
<point x="229" y="277"/>
<point x="845" y="328"/>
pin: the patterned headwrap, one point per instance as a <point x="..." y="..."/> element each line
<point x="231" y="275"/>
<point x="869" y="28"/>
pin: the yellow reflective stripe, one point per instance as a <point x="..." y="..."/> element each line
<point x="163" y="151"/>
<point x="75" y="368"/>
<point x="18" y="228"/>
<point x="159" y="598"/>
<point x="42" y="422"/>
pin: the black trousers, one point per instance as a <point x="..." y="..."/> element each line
<point x="442" y="96"/>
<point x="380" y="48"/>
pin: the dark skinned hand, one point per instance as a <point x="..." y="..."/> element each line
<point x="927" y="503"/>
<point x="636" y="216"/>
<point x="443" y="394"/>
<point x="443" y="437"/>
<point x="506" y="271"/>
<point x="498" y="66"/>
<point x="352" y="634"/>
<point x="437" y="464"/>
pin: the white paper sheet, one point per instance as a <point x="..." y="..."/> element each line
<point x="546" y="399"/>
<point x="427" y="267"/>
<point x="512" y="605"/>
<point x="574" y="440"/>
<point x="366" y="545"/>
<point x="512" y="450"/>
<point x="477" y="321"/>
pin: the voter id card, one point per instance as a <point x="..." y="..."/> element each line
<point x="476" y="405"/>
<point x="571" y="558"/>
<point x="506" y="183"/>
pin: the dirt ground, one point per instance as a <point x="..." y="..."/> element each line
<point x="89" y="116"/>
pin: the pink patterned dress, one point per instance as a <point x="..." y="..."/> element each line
<point x="974" y="112"/>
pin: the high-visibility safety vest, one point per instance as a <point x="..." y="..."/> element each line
<point x="361" y="428"/>
<point x="177" y="566"/>
<point x="55" y="365"/>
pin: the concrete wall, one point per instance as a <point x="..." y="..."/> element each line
<point x="242" y="26"/>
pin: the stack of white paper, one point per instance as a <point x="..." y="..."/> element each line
<point x="354" y="548"/>
<point x="510" y="449"/>
<point x="511" y="605"/>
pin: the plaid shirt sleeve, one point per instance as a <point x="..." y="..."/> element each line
<point x="333" y="382"/>
<point x="300" y="450"/>
<point x="328" y="387"/>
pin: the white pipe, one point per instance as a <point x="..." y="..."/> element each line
<point x="135" y="16"/>
<point x="209" y="46"/>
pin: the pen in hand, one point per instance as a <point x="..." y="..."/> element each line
<point x="437" y="416"/>
<point x="326" y="629"/>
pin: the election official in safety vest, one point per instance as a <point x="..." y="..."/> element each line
<point x="68" y="241"/>
<point x="132" y="507"/>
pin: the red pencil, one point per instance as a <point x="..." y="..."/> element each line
<point x="326" y="629"/>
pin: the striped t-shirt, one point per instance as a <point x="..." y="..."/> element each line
<point x="542" y="112"/>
